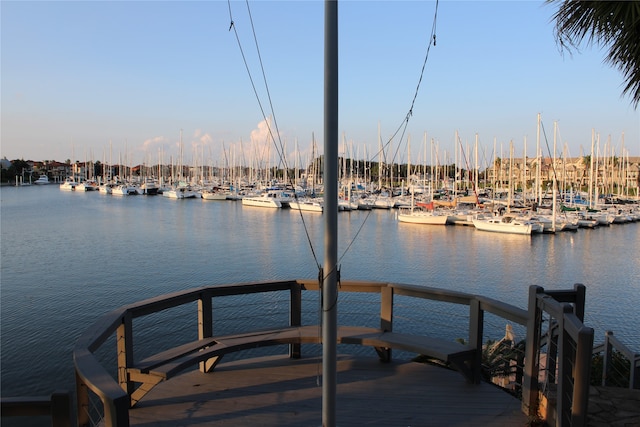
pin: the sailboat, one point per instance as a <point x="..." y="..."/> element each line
<point x="421" y="216"/>
<point x="69" y="184"/>
<point x="425" y="212"/>
<point x="507" y="223"/>
<point x="307" y="204"/>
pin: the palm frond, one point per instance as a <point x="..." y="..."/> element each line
<point x="611" y="25"/>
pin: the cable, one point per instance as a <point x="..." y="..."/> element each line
<point x="266" y="85"/>
<point x="405" y="122"/>
<point x="279" y="147"/>
<point x="409" y="114"/>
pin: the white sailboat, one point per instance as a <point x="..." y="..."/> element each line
<point x="69" y="184"/>
<point x="307" y="204"/>
<point x="182" y="191"/>
<point x="421" y="216"/>
<point x="215" y="194"/>
<point x="123" y="190"/>
<point x="507" y="224"/>
<point x="106" y="188"/>
<point x="88" y="185"/>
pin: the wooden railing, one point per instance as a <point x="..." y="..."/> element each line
<point x="114" y="392"/>
<point x="611" y="344"/>
<point x="557" y="360"/>
<point x="57" y="407"/>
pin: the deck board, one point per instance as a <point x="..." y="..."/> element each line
<point x="278" y="391"/>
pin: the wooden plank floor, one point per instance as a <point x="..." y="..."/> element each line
<point x="278" y="391"/>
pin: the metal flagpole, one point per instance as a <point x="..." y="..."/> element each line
<point x="330" y="273"/>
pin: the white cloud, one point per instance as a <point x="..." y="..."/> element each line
<point x="152" y="143"/>
<point x="263" y="133"/>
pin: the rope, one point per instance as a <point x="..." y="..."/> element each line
<point x="279" y="147"/>
<point x="405" y="121"/>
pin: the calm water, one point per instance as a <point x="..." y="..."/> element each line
<point x="68" y="258"/>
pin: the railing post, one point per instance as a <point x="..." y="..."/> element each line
<point x="634" y="378"/>
<point x="116" y="412"/>
<point x="82" y="403"/>
<point x="530" y="387"/>
<point x="125" y="352"/>
<point x="205" y="323"/>
<point x="295" y="317"/>
<point x="476" y="331"/>
<point x="581" y="291"/>
<point x="564" y="391"/>
<point x="386" y="319"/>
<point x="606" y="357"/>
<point x="582" y="370"/>
<point x="386" y="308"/>
<point x="60" y="409"/>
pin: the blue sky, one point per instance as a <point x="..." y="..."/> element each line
<point x="92" y="79"/>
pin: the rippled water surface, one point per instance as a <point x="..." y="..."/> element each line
<point x="68" y="258"/>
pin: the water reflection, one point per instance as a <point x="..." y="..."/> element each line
<point x="67" y="258"/>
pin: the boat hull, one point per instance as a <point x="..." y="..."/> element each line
<point x="499" y="227"/>
<point x="423" y="218"/>
<point x="261" y="202"/>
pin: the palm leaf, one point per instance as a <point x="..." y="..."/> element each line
<point x="611" y="25"/>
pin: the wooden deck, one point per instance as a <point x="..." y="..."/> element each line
<point x="278" y="391"/>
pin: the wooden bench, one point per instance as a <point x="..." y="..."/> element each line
<point x="209" y="351"/>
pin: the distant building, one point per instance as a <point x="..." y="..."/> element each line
<point x="608" y="172"/>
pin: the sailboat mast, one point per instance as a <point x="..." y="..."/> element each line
<point x="409" y="158"/>
<point x="555" y="183"/>
<point x="477" y="170"/>
<point x="538" y="160"/>
<point x="380" y="160"/>
<point x="591" y="201"/>
<point x="330" y="273"/>
<point x="524" y="172"/>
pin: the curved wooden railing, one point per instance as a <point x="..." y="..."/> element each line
<point x="556" y="386"/>
<point x="632" y="371"/>
<point x="115" y="392"/>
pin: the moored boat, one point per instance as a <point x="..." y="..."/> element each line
<point x="306" y="204"/>
<point x="69" y="184"/>
<point x="421" y="216"/>
<point x="123" y="190"/>
<point x="269" y="199"/>
<point x="88" y="185"/>
<point x="214" y="194"/>
<point x="149" y="187"/>
<point x="507" y="224"/>
<point x="182" y="192"/>
<point x="42" y="180"/>
<point x="106" y="188"/>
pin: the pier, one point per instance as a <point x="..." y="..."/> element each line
<point x="189" y="379"/>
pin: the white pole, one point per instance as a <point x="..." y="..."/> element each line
<point x="553" y="210"/>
